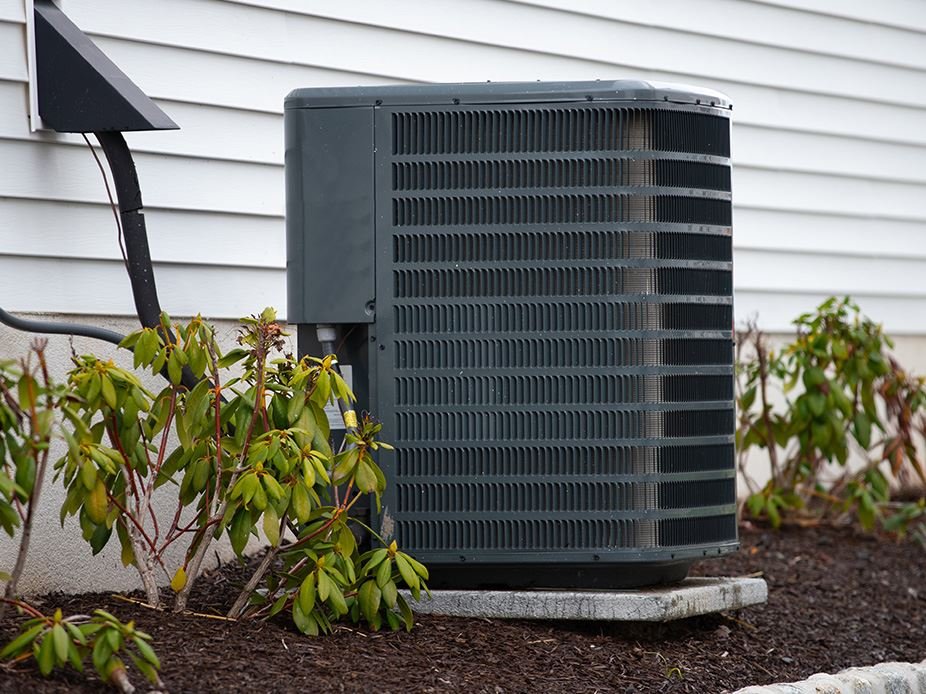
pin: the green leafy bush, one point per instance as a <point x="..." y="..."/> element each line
<point x="252" y="452"/>
<point x="845" y="398"/>
<point x="28" y="401"/>
<point x="58" y="641"/>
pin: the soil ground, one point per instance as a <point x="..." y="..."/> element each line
<point x="836" y="599"/>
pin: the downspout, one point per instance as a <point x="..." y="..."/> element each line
<point x="135" y="236"/>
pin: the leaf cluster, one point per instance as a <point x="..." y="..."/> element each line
<point x="845" y="397"/>
<point x="57" y="641"/>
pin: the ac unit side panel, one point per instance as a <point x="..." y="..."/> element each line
<point x="329" y="215"/>
<point x="553" y="335"/>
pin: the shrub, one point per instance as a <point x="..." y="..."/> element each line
<point x="846" y="398"/>
<point x="28" y="400"/>
<point x="58" y="641"/>
<point x="253" y="451"/>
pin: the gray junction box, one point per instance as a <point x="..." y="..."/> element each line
<point x="534" y="285"/>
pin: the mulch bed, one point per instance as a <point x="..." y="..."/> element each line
<point x="836" y="599"/>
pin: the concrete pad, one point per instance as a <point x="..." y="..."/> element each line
<point x="692" y="597"/>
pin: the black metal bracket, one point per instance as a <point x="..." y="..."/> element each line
<point x="80" y="90"/>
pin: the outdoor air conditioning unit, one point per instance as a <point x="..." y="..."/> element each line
<point x="533" y="282"/>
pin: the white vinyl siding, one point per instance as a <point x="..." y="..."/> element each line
<point x="829" y="138"/>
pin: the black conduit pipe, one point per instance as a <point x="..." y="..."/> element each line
<point x="135" y="236"/>
<point x="54" y="328"/>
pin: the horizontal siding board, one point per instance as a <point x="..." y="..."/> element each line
<point x="244" y="136"/>
<point x="777" y="271"/>
<point x="12" y="11"/>
<point x="774" y="311"/>
<point x="822" y="153"/>
<point x="205" y="131"/>
<point x="855" y="197"/>
<point x="244" y="83"/>
<point x="13" y="52"/>
<point x="100" y="287"/>
<point x="465" y="40"/>
<point x="249" y="84"/>
<point x="81" y="230"/>
<point x="757" y="23"/>
<point x="224" y="80"/>
<point x="757" y="228"/>
<point x="727" y="19"/>
<point x="903" y="14"/>
<point x="61" y="172"/>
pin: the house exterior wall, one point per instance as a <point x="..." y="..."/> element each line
<point x="829" y="148"/>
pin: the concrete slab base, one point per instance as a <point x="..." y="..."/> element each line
<point x="692" y="597"/>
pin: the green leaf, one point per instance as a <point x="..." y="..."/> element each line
<point x="102" y="652"/>
<point x="302" y="509"/>
<point x="862" y="425"/>
<point x="145" y="668"/>
<point x="406" y="613"/>
<point x="376" y="557"/>
<point x="232" y="357"/>
<point x="304" y="622"/>
<point x="109" y="391"/>
<point x="61" y="642"/>
<point x="240" y="530"/>
<point x="325" y="585"/>
<point x="272" y="526"/>
<point x="295" y="407"/>
<point x="147" y="652"/>
<point x="174" y="367"/>
<point x="45" y="657"/>
<point x="384" y="573"/>
<point x="278" y="605"/>
<point x="96" y="503"/>
<point x="21" y="642"/>
<point x="369" y="596"/>
<point x="364" y="477"/>
<point x="88" y="474"/>
<point x="419" y="568"/>
<point x="407" y="572"/>
<point x="100" y="537"/>
<point x="28" y="392"/>
<point x="749" y="397"/>
<point x="337" y="601"/>
<point x="307" y="593"/>
<point x="389" y="592"/>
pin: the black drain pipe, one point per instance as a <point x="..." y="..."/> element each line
<point x="55" y="328"/>
<point x="135" y="236"/>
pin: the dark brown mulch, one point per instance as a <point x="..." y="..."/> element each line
<point x="836" y="600"/>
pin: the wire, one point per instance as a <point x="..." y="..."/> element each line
<point x="112" y="202"/>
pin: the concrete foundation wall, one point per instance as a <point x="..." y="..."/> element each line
<point x="59" y="558"/>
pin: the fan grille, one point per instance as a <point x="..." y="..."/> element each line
<point x="554" y="321"/>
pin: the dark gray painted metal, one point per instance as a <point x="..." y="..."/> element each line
<point x="502" y="92"/>
<point x="329" y="216"/>
<point x="80" y="89"/>
<point x="552" y="350"/>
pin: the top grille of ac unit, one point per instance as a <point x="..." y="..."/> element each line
<point x="552" y="331"/>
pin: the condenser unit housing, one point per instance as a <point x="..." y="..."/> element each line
<point x="533" y="284"/>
